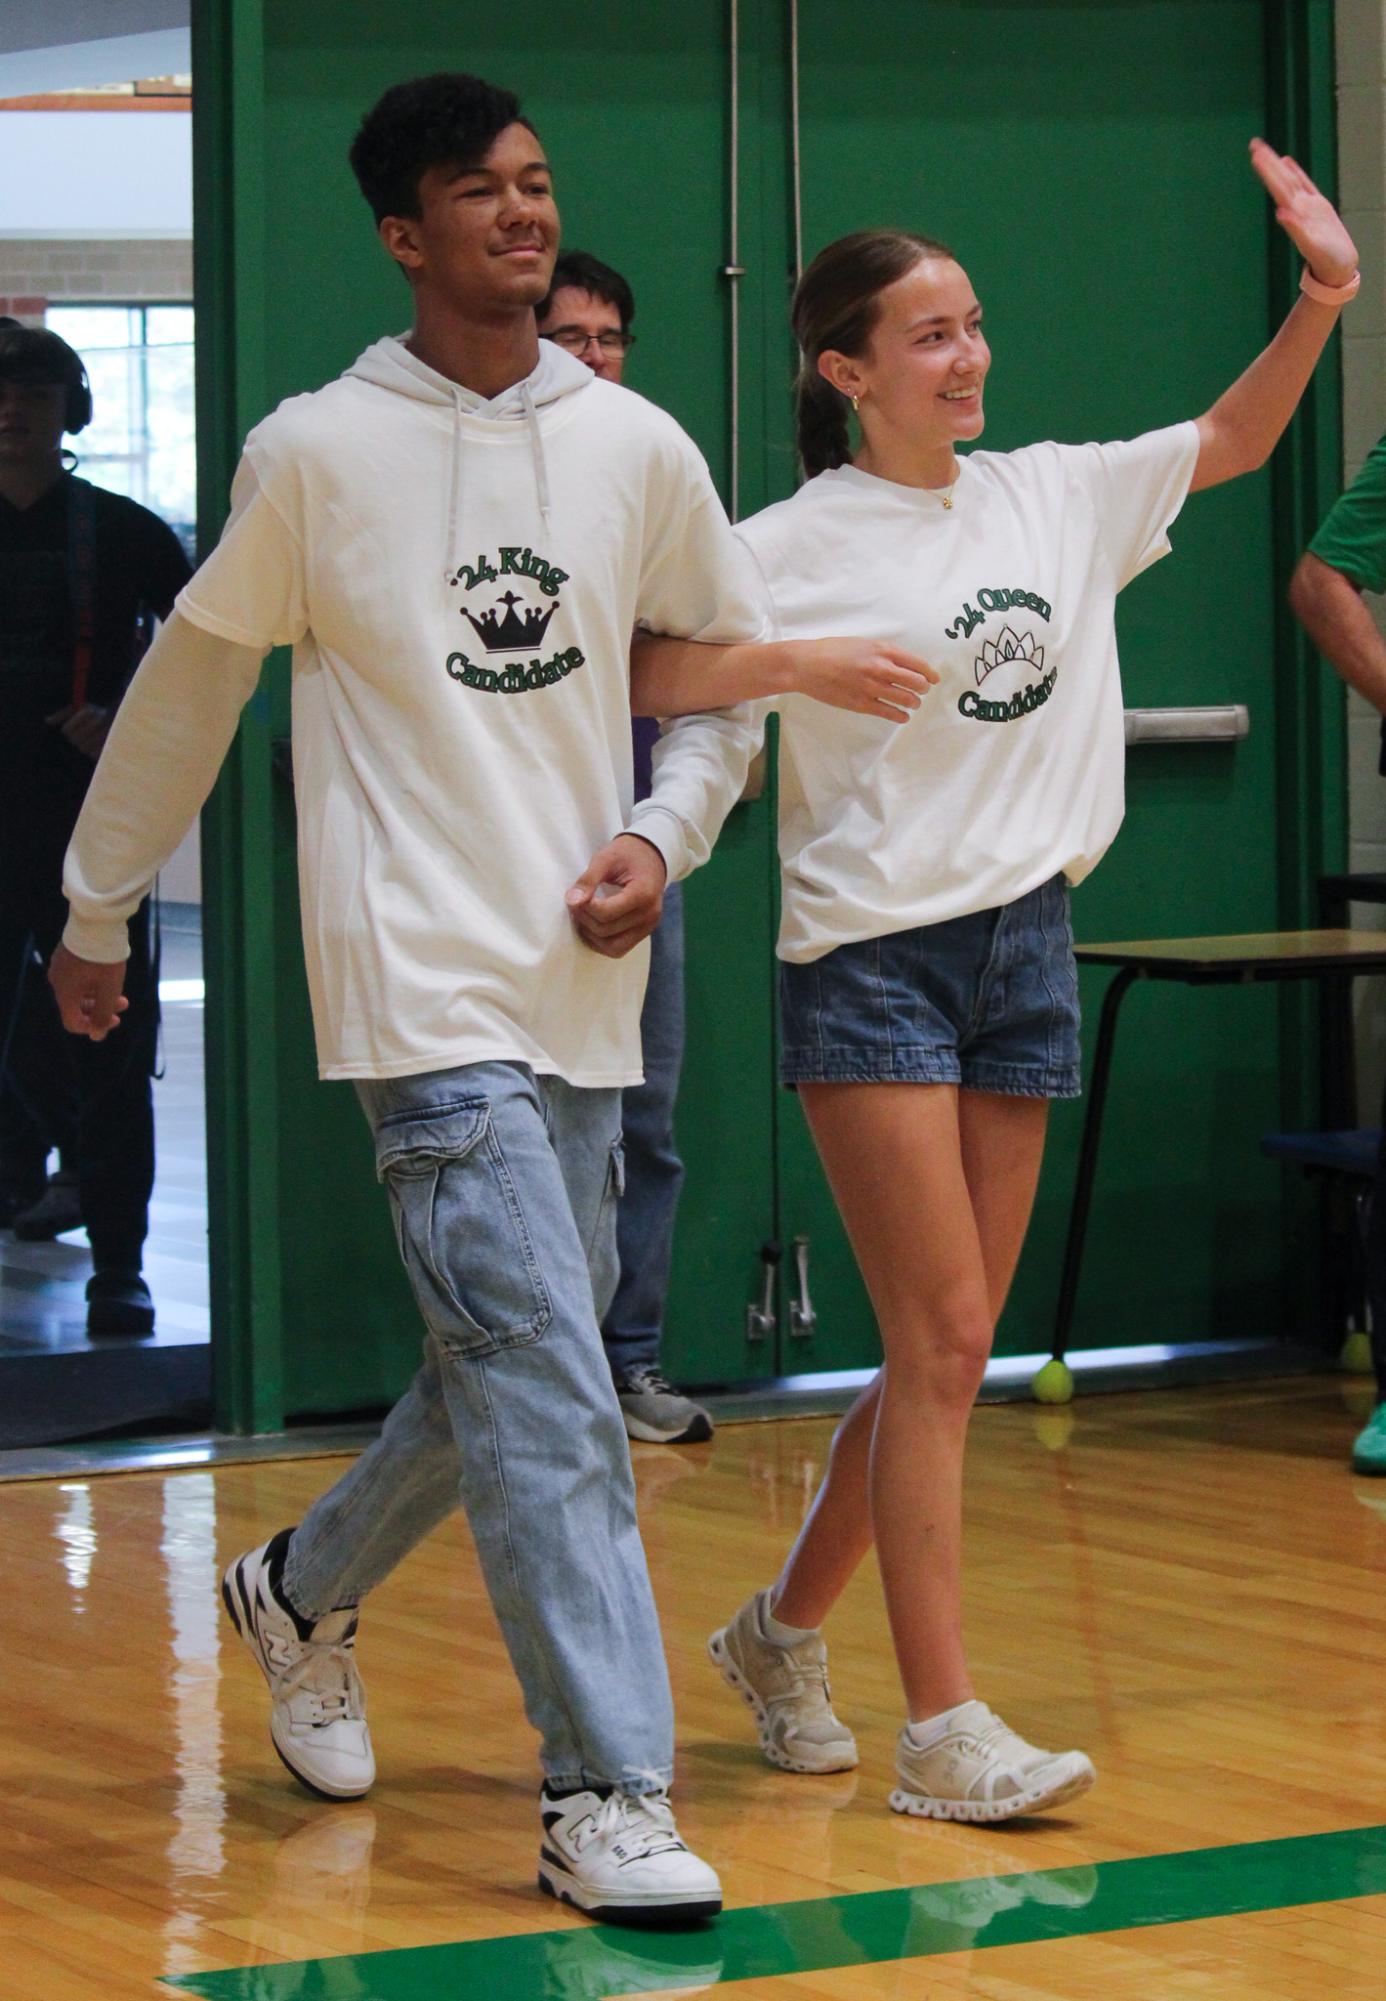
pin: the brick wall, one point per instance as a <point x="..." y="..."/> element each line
<point x="36" y="271"/>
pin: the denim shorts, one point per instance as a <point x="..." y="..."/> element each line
<point x="988" y="1001"/>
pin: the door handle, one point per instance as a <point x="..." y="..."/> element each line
<point x="1227" y="723"/>
<point x="802" y="1318"/>
<point x="760" y="1320"/>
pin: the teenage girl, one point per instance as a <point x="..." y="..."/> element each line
<point x="928" y="989"/>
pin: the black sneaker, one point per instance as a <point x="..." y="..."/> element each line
<point x="57" y="1209"/>
<point x="119" y="1304"/>
<point x="14" y="1201"/>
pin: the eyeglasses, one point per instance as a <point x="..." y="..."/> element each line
<point x="575" y="339"/>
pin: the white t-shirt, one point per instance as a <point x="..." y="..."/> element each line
<point x="461" y="692"/>
<point x="1012" y="769"/>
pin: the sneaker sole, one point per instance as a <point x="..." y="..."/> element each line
<point x="696" y="1433"/>
<point x="120" y="1322"/>
<point x="928" y="1806"/>
<point x="733" y="1677"/>
<point x="234" y="1597"/>
<point x="673" y="1914"/>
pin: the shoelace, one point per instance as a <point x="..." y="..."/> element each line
<point x="324" y="1668"/>
<point x="623" y="1813"/>
<point x="998" y="1737"/>
<point x="648" y="1382"/>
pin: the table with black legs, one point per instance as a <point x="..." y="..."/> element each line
<point x="1332" y="956"/>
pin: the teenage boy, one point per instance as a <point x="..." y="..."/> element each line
<point x="84" y="576"/>
<point x="457" y="538"/>
<point x="589" y="312"/>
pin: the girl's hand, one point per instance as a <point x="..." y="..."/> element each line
<point x="1308" y="218"/>
<point x="864" y="675"/>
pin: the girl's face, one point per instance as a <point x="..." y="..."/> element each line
<point x="922" y="374"/>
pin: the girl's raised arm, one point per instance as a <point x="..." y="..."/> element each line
<point x="1241" y="430"/>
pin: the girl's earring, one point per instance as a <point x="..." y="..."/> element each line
<point x="855" y="406"/>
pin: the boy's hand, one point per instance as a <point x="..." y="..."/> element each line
<point x="89" y="993"/>
<point x="86" y="729"/>
<point x="617" y="899"/>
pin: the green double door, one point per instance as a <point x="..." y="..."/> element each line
<point x="1087" y="162"/>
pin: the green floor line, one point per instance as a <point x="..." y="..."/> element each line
<point x="820" y="1933"/>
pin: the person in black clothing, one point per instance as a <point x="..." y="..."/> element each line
<point x="84" y="575"/>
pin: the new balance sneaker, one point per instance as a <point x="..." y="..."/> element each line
<point x="318" y="1706"/>
<point x="787" y="1689"/>
<point x="656" y="1414"/>
<point x="619" y="1857"/>
<point x="980" y="1770"/>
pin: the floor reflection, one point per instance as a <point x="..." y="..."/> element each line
<point x="76" y="1531"/>
<point x="196" y="1846"/>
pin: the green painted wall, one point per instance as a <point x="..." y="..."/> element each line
<point x="1086" y="160"/>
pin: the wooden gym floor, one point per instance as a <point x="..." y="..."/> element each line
<point x="1187" y="1584"/>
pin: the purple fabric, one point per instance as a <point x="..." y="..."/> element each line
<point x="644" y="732"/>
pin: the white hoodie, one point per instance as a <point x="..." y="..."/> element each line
<point x="459" y="580"/>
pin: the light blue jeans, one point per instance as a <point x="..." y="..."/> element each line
<point x="634" y="1326"/>
<point x="504" y="1189"/>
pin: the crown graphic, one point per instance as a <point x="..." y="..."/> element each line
<point x="1006" y="647"/>
<point x="511" y="634"/>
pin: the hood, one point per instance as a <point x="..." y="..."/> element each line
<point x="388" y="364"/>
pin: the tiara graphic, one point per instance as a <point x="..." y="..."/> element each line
<point x="1008" y="646"/>
<point x="511" y="634"/>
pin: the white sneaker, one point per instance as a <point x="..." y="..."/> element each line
<point x="318" y="1711"/>
<point x="980" y="1770"/>
<point x="620" y="1858"/>
<point x="787" y="1689"/>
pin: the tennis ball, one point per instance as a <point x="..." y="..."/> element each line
<point x="1356" y="1355"/>
<point x="1053" y="1384"/>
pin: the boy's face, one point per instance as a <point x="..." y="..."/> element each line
<point x="31" y="422"/>
<point x="486" y="237"/>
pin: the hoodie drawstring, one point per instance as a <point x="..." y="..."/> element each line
<point x="454" y="485"/>
<point x="541" y="473"/>
<point x="536" y="444"/>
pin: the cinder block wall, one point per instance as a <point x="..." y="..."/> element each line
<point x="39" y="271"/>
<point x="1361" y="36"/>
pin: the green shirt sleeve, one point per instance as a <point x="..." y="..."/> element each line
<point x="1353" y="536"/>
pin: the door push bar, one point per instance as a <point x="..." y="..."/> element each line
<point x="802" y="1318"/>
<point x="1227" y="723"/>
<point x="760" y="1320"/>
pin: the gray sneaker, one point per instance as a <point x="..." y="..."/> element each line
<point x="787" y="1688"/>
<point x="656" y="1414"/>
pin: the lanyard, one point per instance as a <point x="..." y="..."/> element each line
<point x="81" y="542"/>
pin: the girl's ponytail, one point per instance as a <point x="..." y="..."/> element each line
<point x="836" y="305"/>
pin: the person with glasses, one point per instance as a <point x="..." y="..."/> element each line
<point x="588" y="313"/>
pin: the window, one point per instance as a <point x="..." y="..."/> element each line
<point x="140" y="441"/>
